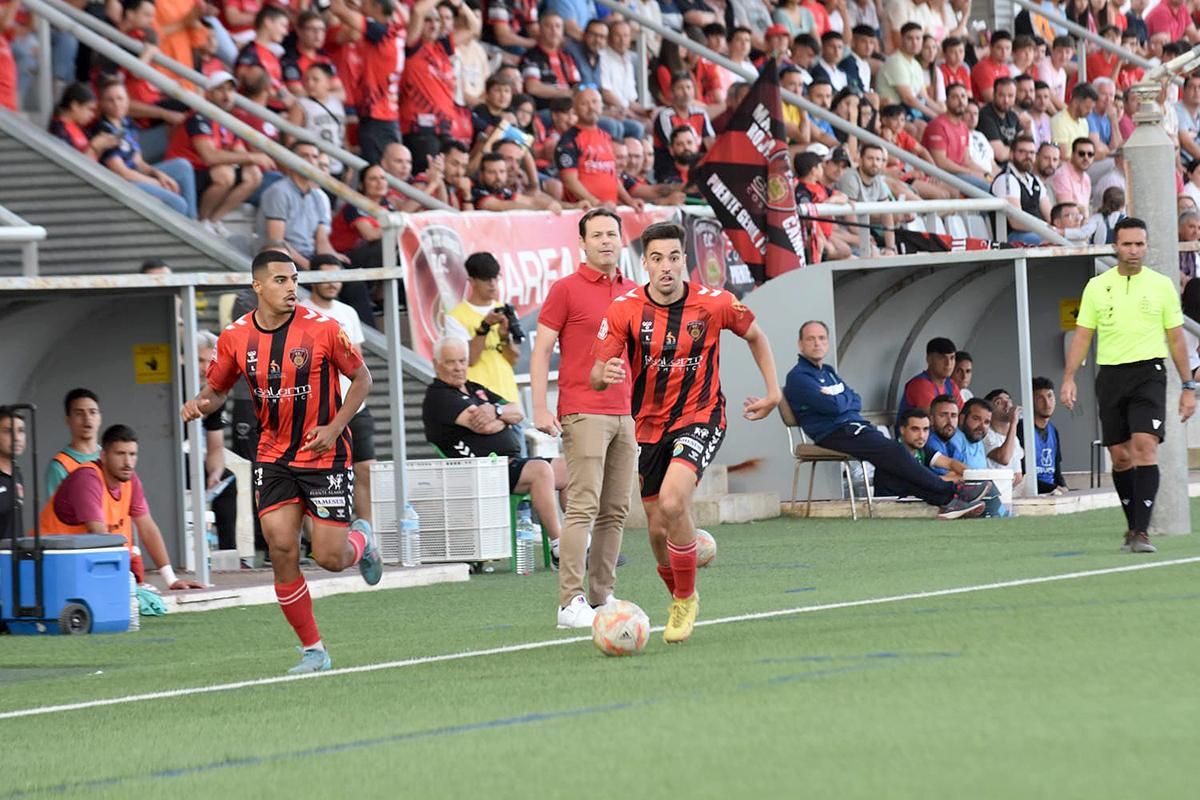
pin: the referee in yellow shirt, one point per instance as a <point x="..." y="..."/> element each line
<point x="1137" y="315"/>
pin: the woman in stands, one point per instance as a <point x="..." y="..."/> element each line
<point x="357" y="234"/>
<point x="172" y="182"/>
<point x="75" y="112"/>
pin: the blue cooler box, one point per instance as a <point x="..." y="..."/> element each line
<point x="90" y="569"/>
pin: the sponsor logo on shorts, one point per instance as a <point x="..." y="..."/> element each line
<point x="322" y="513"/>
<point x="335" y="482"/>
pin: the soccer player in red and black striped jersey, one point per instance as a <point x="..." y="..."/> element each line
<point x="670" y="332"/>
<point x="291" y="358"/>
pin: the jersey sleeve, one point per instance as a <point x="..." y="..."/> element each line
<point x="342" y="352"/>
<point x="613" y="334"/>
<point x="1171" y="308"/>
<point x="554" y="309"/>
<point x="80" y="498"/>
<point x="223" y="370"/>
<point x="566" y="155"/>
<point x="1086" y="318"/>
<point x="138" y="507"/>
<point x="734" y="315"/>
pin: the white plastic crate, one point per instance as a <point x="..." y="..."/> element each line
<point x="462" y="502"/>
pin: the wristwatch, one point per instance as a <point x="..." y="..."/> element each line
<point x="1191" y="386"/>
<point x="483" y="329"/>
<point x="499" y="412"/>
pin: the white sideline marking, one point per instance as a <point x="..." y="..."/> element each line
<point x="516" y="648"/>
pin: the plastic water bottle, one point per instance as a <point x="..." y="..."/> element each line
<point x="525" y="539"/>
<point x="135" y="617"/>
<point x="410" y="538"/>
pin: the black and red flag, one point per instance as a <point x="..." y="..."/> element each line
<point x="747" y="179"/>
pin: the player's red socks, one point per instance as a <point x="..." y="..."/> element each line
<point x="683" y="565"/>
<point x="297" y="606"/>
<point x="358" y="541"/>
<point x="668" y="576"/>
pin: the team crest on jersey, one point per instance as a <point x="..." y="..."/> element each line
<point x="696" y="329"/>
<point x="298" y="356"/>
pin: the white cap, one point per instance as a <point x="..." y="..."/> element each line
<point x="819" y="149"/>
<point x="220" y="79"/>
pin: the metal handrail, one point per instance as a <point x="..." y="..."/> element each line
<point x="15" y="230"/>
<point x="1027" y="221"/>
<point x="130" y="44"/>
<point x="201" y="104"/>
<point x="1084" y="33"/>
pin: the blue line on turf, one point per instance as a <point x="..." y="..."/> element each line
<point x="1067" y="553"/>
<point x="800" y="589"/>
<point x="322" y="750"/>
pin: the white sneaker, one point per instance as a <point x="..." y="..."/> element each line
<point x="220" y="230"/>
<point x="576" y="614"/>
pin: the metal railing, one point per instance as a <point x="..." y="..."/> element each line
<point x="1027" y="221"/>
<point x="1083" y="33"/>
<point x="66" y="14"/>
<point x="14" y="230"/>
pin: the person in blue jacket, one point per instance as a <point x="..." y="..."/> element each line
<point x="829" y="411"/>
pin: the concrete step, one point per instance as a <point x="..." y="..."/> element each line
<point x="712" y="511"/>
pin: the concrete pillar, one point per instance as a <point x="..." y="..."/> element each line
<point x="1151" y="196"/>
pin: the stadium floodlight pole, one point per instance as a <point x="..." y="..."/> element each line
<point x="1150" y="155"/>
<point x="261" y="112"/>
<point x="1027" y="221"/>
<point x="1083" y="33"/>
<point x="200" y="103"/>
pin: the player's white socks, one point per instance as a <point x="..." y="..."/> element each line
<point x="554" y="547"/>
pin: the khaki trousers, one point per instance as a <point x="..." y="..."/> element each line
<point x="601" y="455"/>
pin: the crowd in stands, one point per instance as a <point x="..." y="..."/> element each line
<point x="552" y="88"/>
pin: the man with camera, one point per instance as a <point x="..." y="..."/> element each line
<point x="490" y="328"/>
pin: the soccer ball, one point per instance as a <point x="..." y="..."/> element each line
<point x="706" y="548"/>
<point x="620" y="628"/>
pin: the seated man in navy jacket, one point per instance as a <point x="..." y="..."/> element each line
<point x="829" y="412"/>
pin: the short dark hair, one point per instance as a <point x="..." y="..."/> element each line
<point x="152" y="263"/>
<point x="892" y="110"/>
<point x="117" y="433"/>
<point x="559" y="105"/>
<point x="325" y="259"/>
<point x="961" y="356"/>
<point x="1084" y="91"/>
<point x="266" y="258"/>
<point x="128" y="6"/>
<point x="8" y="412"/>
<point x="454" y="145"/>
<point x="75" y="94"/>
<point x="681" y="76"/>
<point x="863" y="30"/>
<point x="941" y="399"/>
<point x="1022" y="41"/>
<point x="831" y="36"/>
<point x="910" y="26"/>
<point x="940" y="345"/>
<point x="994" y="393"/>
<point x="1041" y="382"/>
<point x="492" y="157"/>
<point x="806" y="40"/>
<point x="321" y="66"/>
<point x="865" y="146"/>
<point x="1079" y="140"/>
<point x="1000" y="36"/>
<point x="1005" y="81"/>
<point x="1060" y="208"/>
<point x="911" y="413"/>
<point x="1134" y="223"/>
<point x="808" y="322"/>
<point x="599" y="211"/>
<point x="714" y="29"/>
<point x="951" y="41"/>
<point x="976" y="401"/>
<point x="266" y="14"/>
<point x="482" y="266"/>
<point x="679" y="130"/>
<point x="495" y="80"/>
<point x="662" y="230"/>
<point x="1062" y="41"/>
<point x="78" y="394"/>
<point x="804" y="163"/>
<point x="735" y="30"/>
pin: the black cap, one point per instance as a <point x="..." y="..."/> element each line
<point x="840" y="155"/>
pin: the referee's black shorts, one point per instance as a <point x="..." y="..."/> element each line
<point x="1133" y="399"/>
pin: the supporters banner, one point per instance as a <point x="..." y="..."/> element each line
<point x="747" y="179"/>
<point x="534" y="250"/>
<point x="920" y="242"/>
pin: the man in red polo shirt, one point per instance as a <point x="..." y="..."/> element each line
<point x="596" y="427"/>
<point x="586" y="164"/>
<point x="1172" y="18"/>
<point x="996" y="65"/>
<point x="375" y="93"/>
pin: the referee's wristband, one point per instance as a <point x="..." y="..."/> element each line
<point x="1191" y="386"/>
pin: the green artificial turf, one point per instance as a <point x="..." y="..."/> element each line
<point x="1082" y="688"/>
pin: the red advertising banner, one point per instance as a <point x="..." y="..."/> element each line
<point x="534" y="250"/>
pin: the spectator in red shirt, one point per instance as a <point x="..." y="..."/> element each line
<point x="946" y="140"/>
<point x="270" y="29"/>
<point x="357" y="234"/>
<point x="512" y="25"/>
<point x="375" y="93"/>
<point x="994" y="66"/>
<point x="891" y="127"/>
<point x="492" y="193"/>
<point x="147" y="106"/>
<point x="1172" y="18"/>
<point x="429" y="111"/>
<point x="446" y="178"/>
<point x="73" y="117"/>
<point x="951" y="68"/>
<point x="238" y="17"/>
<point x="585" y="160"/>
<point x="311" y="31"/>
<point x="549" y="71"/>
<point x="935" y="380"/>
<point x="9" y="80"/>
<point x="226" y="174"/>
<point x="681" y="111"/>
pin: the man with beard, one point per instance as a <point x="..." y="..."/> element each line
<point x="1039" y="113"/>
<point x="946" y="140"/>
<point x="1046" y="164"/>
<point x="867" y="185"/>
<point x="685" y="153"/>
<point x="683" y="111"/>
<point x="446" y="177"/>
<point x="976" y="420"/>
<point x="946" y="437"/>
<point x="997" y="120"/>
<point x="1020" y="185"/>
<point x="633" y="176"/>
<point x="492" y="192"/>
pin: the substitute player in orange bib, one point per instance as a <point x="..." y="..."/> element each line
<point x="671" y="334"/>
<point x="291" y="358"/>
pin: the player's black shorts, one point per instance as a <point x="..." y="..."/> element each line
<point x="1133" y="399"/>
<point x="695" y="445"/>
<point x="515" y="465"/>
<point x="362" y="437"/>
<point x="326" y="494"/>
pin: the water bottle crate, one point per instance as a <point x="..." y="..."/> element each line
<point x="462" y="503"/>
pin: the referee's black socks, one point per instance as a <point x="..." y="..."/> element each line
<point x="1123" y="483"/>
<point x="1145" y="489"/>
